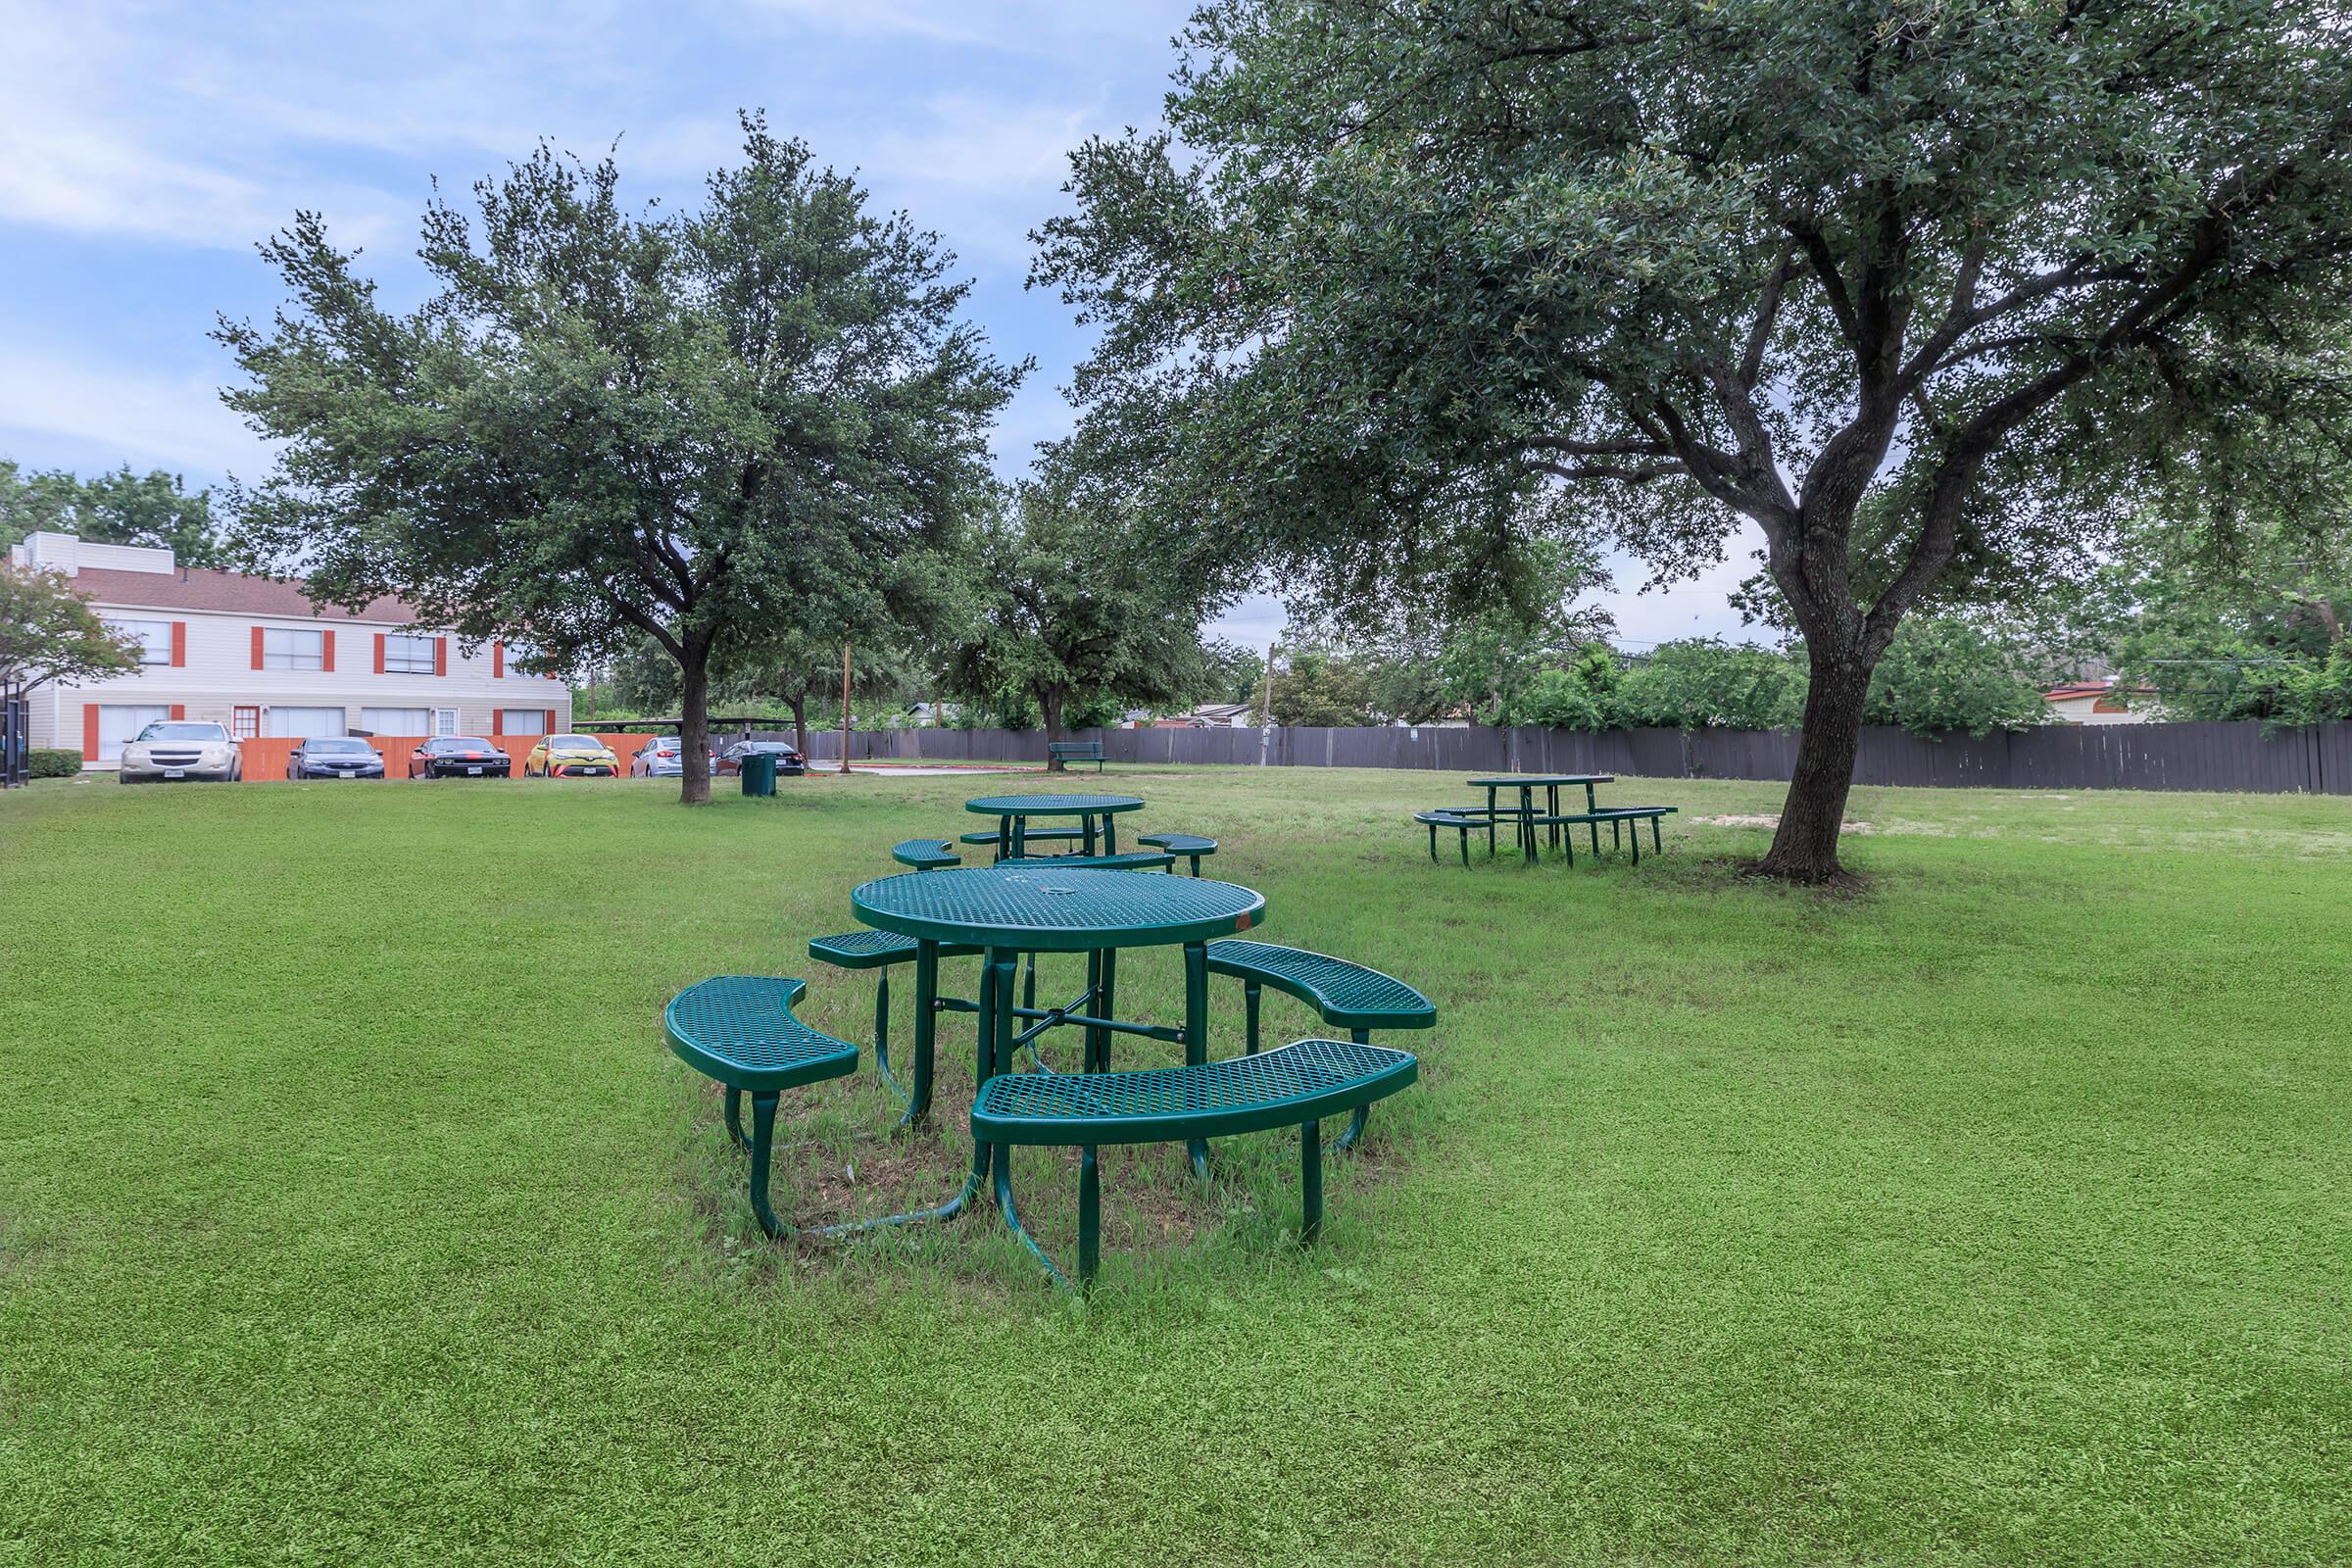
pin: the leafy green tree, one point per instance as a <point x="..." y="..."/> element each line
<point x="1230" y="672"/>
<point x="120" y="507"/>
<point x="688" y="427"/>
<point x="1701" y="682"/>
<point x="1942" y="675"/>
<point x="1321" y="687"/>
<point x="49" y="632"/>
<point x="1060" y="611"/>
<point x="1921" y="292"/>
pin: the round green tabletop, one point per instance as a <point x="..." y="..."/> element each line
<point x="1515" y="781"/>
<point x="1054" y="805"/>
<point x="1033" y="909"/>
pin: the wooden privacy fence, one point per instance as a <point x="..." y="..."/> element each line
<point x="266" y="758"/>
<point x="2231" y="756"/>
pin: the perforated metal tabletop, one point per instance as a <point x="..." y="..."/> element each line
<point x="1054" y="805"/>
<point x="1032" y="907"/>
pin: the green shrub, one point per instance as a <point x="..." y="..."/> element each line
<point x="45" y="763"/>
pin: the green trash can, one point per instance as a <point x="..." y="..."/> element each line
<point x="759" y="773"/>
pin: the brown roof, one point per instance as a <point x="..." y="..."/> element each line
<point x="231" y="591"/>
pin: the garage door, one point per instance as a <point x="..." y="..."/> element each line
<point x="121" y="724"/>
<point x="396" y="720"/>
<point x="301" y="723"/>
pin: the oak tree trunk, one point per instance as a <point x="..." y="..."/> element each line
<point x="800" y="722"/>
<point x="694" y="724"/>
<point x="1805" y="847"/>
<point x="1049" y="701"/>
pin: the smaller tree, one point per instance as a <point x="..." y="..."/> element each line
<point x="1941" y="674"/>
<point x="1700" y="682"/>
<point x="121" y="507"/>
<point x="49" y="632"/>
<point x="1321" y="688"/>
<point x="1060" y="610"/>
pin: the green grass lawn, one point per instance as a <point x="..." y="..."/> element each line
<point x="352" y="1210"/>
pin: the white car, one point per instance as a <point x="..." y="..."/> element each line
<point x="177" y="749"/>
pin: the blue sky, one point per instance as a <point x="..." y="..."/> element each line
<point x="144" y="150"/>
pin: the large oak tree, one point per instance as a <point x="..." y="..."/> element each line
<point x="692" y="427"/>
<point x="1923" y="291"/>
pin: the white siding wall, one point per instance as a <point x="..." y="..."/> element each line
<point x="220" y="676"/>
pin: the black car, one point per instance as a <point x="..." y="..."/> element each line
<point x="788" y="761"/>
<point x="459" y="756"/>
<point x="335" y="757"/>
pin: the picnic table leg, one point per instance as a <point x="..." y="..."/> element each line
<point x="1657" y="839"/>
<point x="1489" y="821"/>
<point x="1249" y="1002"/>
<point x="1311" y="1182"/>
<point x="926" y="1028"/>
<point x="1086" y="825"/>
<point x="1003" y="839"/>
<point x="1107" y="1007"/>
<point x="1635" y="836"/>
<point x="1527" y="821"/>
<point x="1552" y="808"/>
<point x="1110" y="833"/>
<point x="764" y="1133"/>
<point x="998" y="1031"/>
<point x="1355" y="1124"/>
<point x="1592" y="804"/>
<point x="735" y="1118"/>
<point x="1195" y="1034"/>
<point x="1090" y="1216"/>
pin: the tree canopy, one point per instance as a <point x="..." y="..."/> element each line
<point x="689" y="428"/>
<point x="1925" y="293"/>
<point x="120" y="508"/>
<point x="1063" y="609"/>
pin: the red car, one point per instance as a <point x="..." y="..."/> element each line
<point x="459" y="756"/>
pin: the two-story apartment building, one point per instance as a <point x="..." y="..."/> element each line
<point x="252" y="653"/>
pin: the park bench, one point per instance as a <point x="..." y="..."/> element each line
<point x="1190" y="845"/>
<point x="739" y="1029"/>
<point x="1464" y="821"/>
<point x="1124" y="861"/>
<point x="1298" y="1086"/>
<point x="1068" y="752"/>
<point x="1346" y="995"/>
<point x="925" y="855"/>
<point x="1619" y="817"/>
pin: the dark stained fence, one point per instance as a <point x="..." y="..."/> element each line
<point x="2237" y="757"/>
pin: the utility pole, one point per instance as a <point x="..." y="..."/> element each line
<point x="845" y="707"/>
<point x="1265" y="720"/>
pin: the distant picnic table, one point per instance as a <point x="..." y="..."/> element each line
<point x="1013" y="811"/>
<point x="1526" y="815"/>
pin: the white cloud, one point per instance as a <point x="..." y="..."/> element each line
<point x="126" y="417"/>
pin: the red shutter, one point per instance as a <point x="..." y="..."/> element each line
<point x="326" y="649"/>
<point x="498" y="722"/>
<point x="498" y="661"/>
<point x="440" y="656"/>
<point x="379" y="653"/>
<point x="89" y="732"/>
<point x="546" y="724"/>
<point x="180" y="645"/>
<point x="257" y="647"/>
<point x="179" y="711"/>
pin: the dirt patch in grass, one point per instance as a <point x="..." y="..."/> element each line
<point x="1772" y="819"/>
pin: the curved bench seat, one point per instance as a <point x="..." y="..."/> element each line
<point x="925" y="855"/>
<point x="1124" y="861"/>
<point x="1192" y="845"/>
<point x="1345" y="994"/>
<point x="1295" y="1086"/>
<point x="739" y="1029"/>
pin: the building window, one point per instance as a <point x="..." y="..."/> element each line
<point x="522" y="721"/>
<point x="119" y="726"/>
<point x="407" y="656"/>
<point x="445" y="722"/>
<point x="293" y="650"/>
<point x="154" y="637"/>
<point x="396" y="720"/>
<point x="244" y="723"/>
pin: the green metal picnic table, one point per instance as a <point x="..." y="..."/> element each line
<point x="1013" y="811"/>
<point x="1526" y="784"/>
<point x="1013" y="909"/>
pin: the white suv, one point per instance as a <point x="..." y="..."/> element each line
<point x="180" y="748"/>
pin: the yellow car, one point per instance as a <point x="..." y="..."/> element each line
<point x="570" y="756"/>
